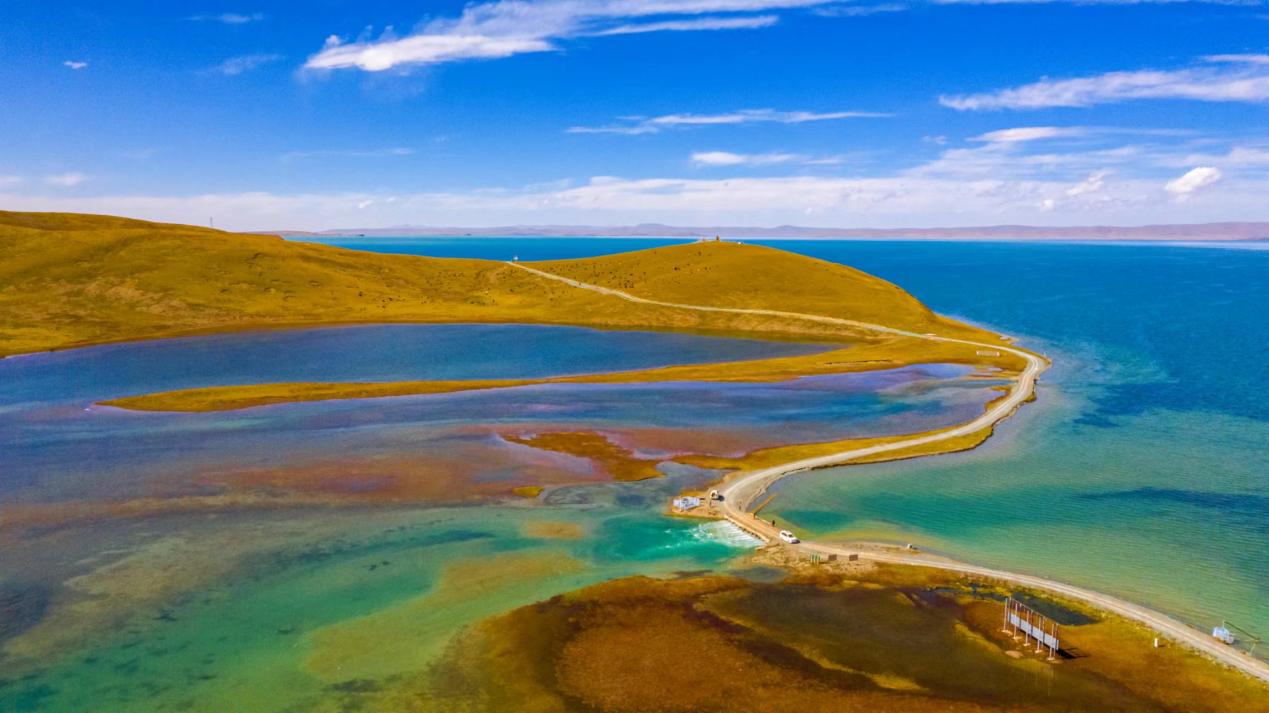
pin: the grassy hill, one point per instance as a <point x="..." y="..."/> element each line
<point x="70" y="280"/>
<point x="756" y="277"/>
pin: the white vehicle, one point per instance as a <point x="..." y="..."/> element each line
<point x="789" y="537"/>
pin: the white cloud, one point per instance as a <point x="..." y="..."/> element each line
<point x="887" y="201"/>
<point x="229" y="18"/>
<point x="1238" y="58"/>
<point x="726" y="158"/>
<point x="1224" y="78"/>
<point x="652" y="125"/>
<point x="1031" y="133"/>
<point x="235" y="66"/>
<point x="75" y="64"/>
<point x="502" y="28"/>
<point x="1093" y="184"/>
<point x="1012" y="161"/>
<point x="1237" y="157"/>
<point x="348" y="153"/>
<point x="66" y="180"/>
<point x="421" y="49"/>
<point x="858" y="10"/>
<point x="1193" y="180"/>
<point x="704" y="23"/>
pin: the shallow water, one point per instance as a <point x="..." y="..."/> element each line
<point x="256" y="559"/>
<point x="1144" y="467"/>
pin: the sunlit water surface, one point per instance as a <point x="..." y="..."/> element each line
<point x="261" y="559"/>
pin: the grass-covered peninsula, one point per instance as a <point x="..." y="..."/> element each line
<point x="75" y="280"/>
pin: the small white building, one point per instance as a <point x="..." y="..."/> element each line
<point x="686" y="502"/>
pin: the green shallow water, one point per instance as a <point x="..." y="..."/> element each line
<point x="245" y="643"/>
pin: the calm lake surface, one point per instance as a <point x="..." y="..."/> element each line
<point x="260" y="559"/>
<point x="160" y="571"/>
<point x="1142" y="471"/>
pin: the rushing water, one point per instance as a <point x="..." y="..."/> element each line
<point x="260" y="559"/>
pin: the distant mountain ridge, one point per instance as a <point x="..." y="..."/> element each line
<point x="1179" y="232"/>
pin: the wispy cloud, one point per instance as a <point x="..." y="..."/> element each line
<point x="1239" y="58"/>
<point x="10" y="181"/>
<point x="1247" y="156"/>
<point x="858" y="10"/>
<point x="503" y="28"/>
<point x="1222" y="78"/>
<point x="66" y="180"/>
<point x="651" y="125"/>
<point x="728" y="158"/>
<point x="235" y="66"/>
<point x="1193" y="180"/>
<point x="700" y="24"/>
<point x="1031" y="133"/>
<point x="1094" y="183"/>
<point x="347" y="153"/>
<point x="75" y="64"/>
<point x="882" y="201"/>
<point x="229" y="18"/>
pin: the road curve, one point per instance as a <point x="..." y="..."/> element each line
<point x="740" y="493"/>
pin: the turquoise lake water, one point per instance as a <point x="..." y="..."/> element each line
<point x="1142" y="471"/>
<point x="156" y="561"/>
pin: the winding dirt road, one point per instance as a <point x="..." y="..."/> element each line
<point x="740" y="492"/>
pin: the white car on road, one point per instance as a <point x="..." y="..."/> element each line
<point x="789" y="537"/>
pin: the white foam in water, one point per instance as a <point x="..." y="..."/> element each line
<point x="723" y="532"/>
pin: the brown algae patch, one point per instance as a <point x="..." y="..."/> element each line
<point x="812" y="643"/>
<point x="618" y="462"/>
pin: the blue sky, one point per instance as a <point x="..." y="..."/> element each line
<point x="744" y="112"/>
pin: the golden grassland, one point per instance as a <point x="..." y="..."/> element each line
<point x="751" y="277"/>
<point x="73" y="280"/>
<point x="873" y="638"/>
<point x="70" y="280"/>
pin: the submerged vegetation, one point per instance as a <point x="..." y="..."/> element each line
<point x="879" y="640"/>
